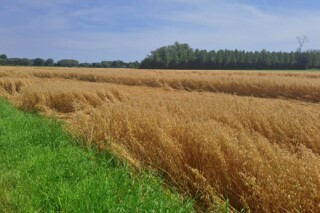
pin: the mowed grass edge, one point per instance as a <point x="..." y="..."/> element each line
<point x="42" y="169"/>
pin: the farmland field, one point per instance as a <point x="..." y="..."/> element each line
<point x="42" y="169"/>
<point x="250" y="137"/>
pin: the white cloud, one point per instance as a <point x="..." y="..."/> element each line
<point x="234" y="25"/>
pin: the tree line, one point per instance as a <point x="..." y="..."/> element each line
<point x="5" y="61"/>
<point x="181" y="56"/>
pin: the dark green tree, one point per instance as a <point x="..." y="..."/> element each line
<point x="3" y="61"/>
<point x="38" y="62"/>
<point x="49" y="62"/>
<point x="67" y="63"/>
<point x="3" y="56"/>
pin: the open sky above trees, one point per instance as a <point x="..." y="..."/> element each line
<point x="128" y="30"/>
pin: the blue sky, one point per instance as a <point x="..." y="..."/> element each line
<point x="128" y="30"/>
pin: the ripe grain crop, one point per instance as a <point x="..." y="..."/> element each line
<point x="255" y="140"/>
<point x="289" y="85"/>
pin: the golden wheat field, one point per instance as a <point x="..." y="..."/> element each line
<point x="251" y="137"/>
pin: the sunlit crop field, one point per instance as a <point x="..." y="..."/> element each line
<point x="251" y="137"/>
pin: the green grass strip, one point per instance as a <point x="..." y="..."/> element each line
<point x="42" y="169"/>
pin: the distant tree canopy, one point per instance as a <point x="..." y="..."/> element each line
<point x="38" y="62"/>
<point x="178" y="56"/>
<point x="181" y="56"/>
<point x="4" y="60"/>
<point x="67" y="63"/>
<point x="3" y="56"/>
<point x="49" y="62"/>
<point x="19" y="61"/>
<point x="111" y="64"/>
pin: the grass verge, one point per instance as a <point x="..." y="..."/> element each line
<point x="43" y="170"/>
